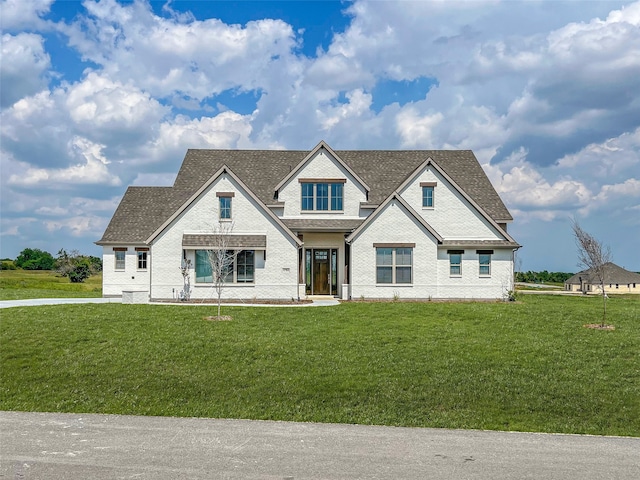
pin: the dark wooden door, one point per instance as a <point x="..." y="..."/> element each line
<point x="321" y="272"/>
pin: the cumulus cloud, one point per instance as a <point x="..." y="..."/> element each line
<point x="23" y="13"/>
<point x="24" y="67"/>
<point x="180" y="54"/>
<point x="82" y="226"/>
<point x="91" y="169"/>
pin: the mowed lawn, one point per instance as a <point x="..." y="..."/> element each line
<point x="18" y="284"/>
<point x="528" y="366"/>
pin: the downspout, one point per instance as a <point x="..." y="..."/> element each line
<point x="150" y="262"/>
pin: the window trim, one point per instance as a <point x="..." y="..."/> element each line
<point x="454" y="265"/>
<point x="144" y="252"/>
<point x="223" y="197"/>
<point x="394" y="266"/>
<point x="428" y="187"/>
<point x="334" y="194"/>
<point x="123" y="261"/>
<point x="487" y="265"/>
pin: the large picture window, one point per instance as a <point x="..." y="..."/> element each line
<point x="240" y="270"/>
<point x="394" y="264"/>
<point x="322" y="196"/>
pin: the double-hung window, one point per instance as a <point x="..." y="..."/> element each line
<point x="428" y="190"/>
<point x="322" y="194"/>
<point x="394" y="264"/>
<point x="484" y="261"/>
<point x="120" y="254"/>
<point x="142" y="254"/>
<point x="224" y="204"/>
<point x="455" y="262"/>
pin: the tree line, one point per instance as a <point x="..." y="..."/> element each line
<point x="542" y="277"/>
<point x="72" y="264"/>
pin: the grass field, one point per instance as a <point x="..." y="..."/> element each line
<point x="17" y="284"/>
<point x="527" y="366"/>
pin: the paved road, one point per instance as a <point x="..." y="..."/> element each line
<point x="74" y="446"/>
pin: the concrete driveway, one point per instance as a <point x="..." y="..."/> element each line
<point x="79" y="446"/>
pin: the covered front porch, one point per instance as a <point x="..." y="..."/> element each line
<point x="324" y="257"/>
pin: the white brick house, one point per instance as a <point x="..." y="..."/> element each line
<point x="353" y="224"/>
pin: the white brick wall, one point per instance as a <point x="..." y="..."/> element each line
<point x="275" y="277"/>
<point x="431" y="277"/>
<point x="470" y="284"/>
<point x="394" y="225"/>
<point x="452" y="216"/>
<point x="115" y="281"/>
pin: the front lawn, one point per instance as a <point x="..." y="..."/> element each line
<point x="18" y="284"/>
<point x="522" y="366"/>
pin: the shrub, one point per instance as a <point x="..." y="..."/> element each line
<point x="34" y="259"/>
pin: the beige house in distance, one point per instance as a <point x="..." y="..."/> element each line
<point x="617" y="280"/>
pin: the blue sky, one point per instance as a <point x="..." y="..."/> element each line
<point x="99" y="95"/>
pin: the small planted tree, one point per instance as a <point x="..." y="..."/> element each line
<point x="593" y="256"/>
<point x="185" y="294"/>
<point x="221" y="258"/>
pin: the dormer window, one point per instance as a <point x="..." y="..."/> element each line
<point x="224" y="204"/>
<point x="428" y="190"/>
<point x="322" y="194"/>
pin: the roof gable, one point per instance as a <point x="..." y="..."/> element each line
<point x="430" y="163"/>
<point x="223" y="170"/>
<point x="322" y="145"/>
<point x="371" y="218"/>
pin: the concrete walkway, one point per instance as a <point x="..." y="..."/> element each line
<point x="71" y="446"/>
<point x="34" y="302"/>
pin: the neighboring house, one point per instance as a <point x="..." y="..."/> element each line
<point x="352" y="224"/>
<point x="616" y="280"/>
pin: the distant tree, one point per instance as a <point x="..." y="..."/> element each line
<point x="7" y="264"/>
<point x="593" y="255"/>
<point x="34" y="259"/>
<point x="75" y="266"/>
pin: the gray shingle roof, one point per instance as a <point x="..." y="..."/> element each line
<point x="144" y="209"/>
<point x="612" y="274"/>
<point x="230" y="241"/>
<point x="339" y="225"/>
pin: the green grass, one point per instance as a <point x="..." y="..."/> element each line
<point x="528" y="366"/>
<point x="18" y="284"/>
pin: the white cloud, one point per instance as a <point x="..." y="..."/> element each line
<point x="103" y="108"/>
<point x="24" y="66"/>
<point x="415" y="130"/>
<point x="23" y="13"/>
<point x="81" y="226"/>
<point x="168" y="55"/>
<point x="92" y="169"/>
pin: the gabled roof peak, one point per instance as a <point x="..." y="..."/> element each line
<point x="322" y="145"/>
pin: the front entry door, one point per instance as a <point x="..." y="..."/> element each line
<point x="321" y="272"/>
